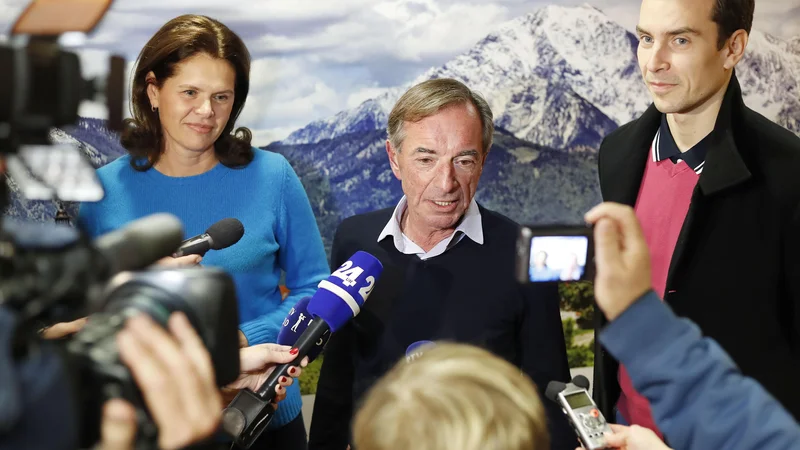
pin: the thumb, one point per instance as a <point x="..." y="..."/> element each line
<point x="616" y="440"/>
<point x="607" y="244"/>
<point x="118" y="426"/>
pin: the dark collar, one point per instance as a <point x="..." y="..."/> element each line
<point x="664" y="147"/>
<point x="623" y="164"/>
<point x="725" y="167"/>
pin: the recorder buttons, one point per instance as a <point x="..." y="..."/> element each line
<point x="594" y="413"/>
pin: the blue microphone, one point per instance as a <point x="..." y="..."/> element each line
<point x="416" y="349"/>
<point x="295" y="324"/>
<point x="341" y="296"/>
<point x="337" y="300"/>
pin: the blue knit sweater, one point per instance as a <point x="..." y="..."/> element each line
<point x="280" y="234"/>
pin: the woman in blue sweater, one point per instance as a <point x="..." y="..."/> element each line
<point x="189" y="86"/>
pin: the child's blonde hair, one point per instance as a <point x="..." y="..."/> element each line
<point x="453" y="396"/>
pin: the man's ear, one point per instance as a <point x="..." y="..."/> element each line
<point x="152" y="89"/>
<point x="734" y="48"/>
<point x="392" y="153"/>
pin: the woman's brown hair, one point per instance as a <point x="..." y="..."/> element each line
<point x="180" y="38"/>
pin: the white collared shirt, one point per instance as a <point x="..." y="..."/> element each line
<point x="470" y="226"/>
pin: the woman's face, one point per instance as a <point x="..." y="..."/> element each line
<point x="194" y="105"/>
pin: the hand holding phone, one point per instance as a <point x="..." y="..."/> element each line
<point x="555" y="253"/>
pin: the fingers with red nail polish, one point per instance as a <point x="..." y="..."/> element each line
<point x="295" y="372"/>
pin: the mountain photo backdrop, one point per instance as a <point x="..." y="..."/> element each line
<point x="559" y="77"/>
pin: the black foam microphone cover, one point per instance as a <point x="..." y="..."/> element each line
<point x="225" y="233"/>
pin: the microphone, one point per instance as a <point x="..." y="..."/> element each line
<point x="556" y="387"/>
<point x="553" y="389"/>
<point x="296" y="324"/>
<point x="221" y="235"/>
<point x="337" y="300"/>
<point x="581" y="381"/>
<point x="140" y="243"/>
<point x="581" y="411"/>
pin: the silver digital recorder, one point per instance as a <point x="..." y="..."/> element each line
<point x="582" y="413"/>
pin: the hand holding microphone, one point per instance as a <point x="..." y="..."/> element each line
<point x="255" y="375"/>
<point x="222" y="234"/>
<point x="256" y="364"/>
<point x="338" y="299"/>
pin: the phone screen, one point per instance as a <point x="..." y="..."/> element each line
<point x="557" y="253"/>
<point x="558" y="258"/>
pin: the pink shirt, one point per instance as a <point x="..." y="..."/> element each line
<point x="661" y="207"/>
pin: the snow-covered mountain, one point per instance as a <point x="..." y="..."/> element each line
<point x="566" y="76"/>
<point x="558" y="80"/>
<point x="95" y="141"/>
<point x="349" y="175"/>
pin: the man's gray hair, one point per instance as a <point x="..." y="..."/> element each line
<point x="429" y="97"/>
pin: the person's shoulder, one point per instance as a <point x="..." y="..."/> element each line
<point x="363" y="224"/>
<point x="121" y="164"/>
<point x="496" y="220"/>
<point x="498" y="229"/>
<point x="624" y="134"/>
<point x="267" y="159"/>
<point x="117" y="173"/>
<point x="770" y="136"/>
<point x="775" y="151"/>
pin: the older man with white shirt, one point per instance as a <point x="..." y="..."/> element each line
<point x="448" y="266"/>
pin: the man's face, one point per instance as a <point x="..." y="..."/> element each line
<point x="678" y="54"/>
<point x="439" y="165"/>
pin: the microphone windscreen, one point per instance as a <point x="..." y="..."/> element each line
<point x="581" y="381"/>
<point x="553" y="389"/>
<point x="142" y="242"/>
<point x="296" y="323"/>
<point x="341" y="296"/>
<point x="225" y="233"/>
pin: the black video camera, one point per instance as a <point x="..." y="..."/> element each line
<point x="53" y="391"/>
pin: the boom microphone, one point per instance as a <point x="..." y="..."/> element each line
<point x="221" y="235"/>
<point x="338" y="299"/>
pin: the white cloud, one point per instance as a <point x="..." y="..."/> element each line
<point x="268" y="136"/>
<point x="300" y="98"/>
<point x="778" y="19"/>
<point x="403" y="29"/>
<point x="314" y="58"/>
<point x="93" y="109"/>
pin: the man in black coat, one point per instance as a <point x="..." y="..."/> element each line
<point x="717" y="189"/>
<point x="448" y="268"/>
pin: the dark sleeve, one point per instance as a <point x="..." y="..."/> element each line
<point x="544" y="354"/>
<point x="699" y="398"/>
<point x="792" y="264"/>
<point x="789" y="312"/>
<point x="333" y="404"/>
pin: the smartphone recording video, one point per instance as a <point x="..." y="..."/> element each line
<point x="554" y="254"/>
